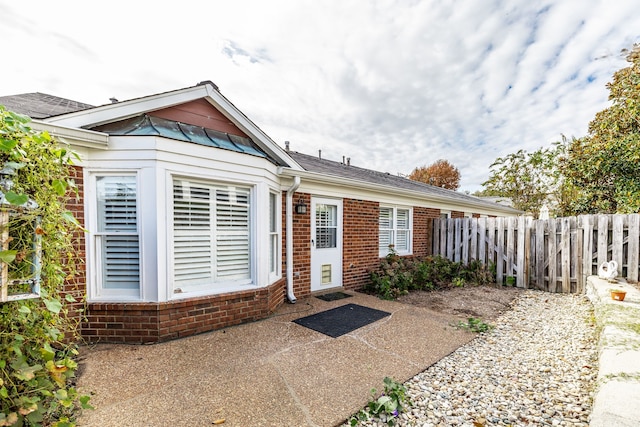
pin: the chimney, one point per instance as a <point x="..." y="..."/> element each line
<point x="286" y="145"/>
<point x="343" y="160"/>
<point x="348" y="161"/>
<point x="320" y="154"/>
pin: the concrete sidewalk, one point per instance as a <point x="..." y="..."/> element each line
<point x="617" y="397"/>
<point x="267" y="373"/>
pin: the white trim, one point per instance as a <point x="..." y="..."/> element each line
<point x="329" y="185"/>
<point x="95" y="291"/>
<point x="73" y="136"/>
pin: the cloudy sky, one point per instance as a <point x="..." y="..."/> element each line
<point x="390" y="84"/>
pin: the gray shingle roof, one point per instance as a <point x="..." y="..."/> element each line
<point x="40" y="105"/>
<point x="329" y="167"/>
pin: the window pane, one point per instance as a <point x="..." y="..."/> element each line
<point x="386" y="218"/>
<point x="326" y="226"/>
<point x="120" y="262"/>
<point x="117" y="209"/>
<point x="273" y="211"/>
<point x="273" y="233"/>
<point x="385" y="240"/>
<point x="403" y="219"/>
<point x="402" y="241"/>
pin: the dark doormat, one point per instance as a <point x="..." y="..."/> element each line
<point x="333" y="296"/>
<point x="341" y="320"/>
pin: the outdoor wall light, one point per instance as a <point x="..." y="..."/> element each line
<point x="301" y="207"/>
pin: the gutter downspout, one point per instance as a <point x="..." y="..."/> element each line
<point x="289" y="242"/>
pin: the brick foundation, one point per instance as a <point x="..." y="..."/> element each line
<point x="156" y="322"/>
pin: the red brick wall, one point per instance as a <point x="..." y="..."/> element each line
<point x="423" y="230"/>
<point x="76" y="283"/>
<point x="360" y="241"/>
<point x="301" y="247"/>
<point x="156" y="322"/>
<point x="457" y="214"/>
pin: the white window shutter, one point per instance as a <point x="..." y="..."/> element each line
<point x="232" y="234"/>
<point x="117" y="236"/>
<point x="193" y="263"/>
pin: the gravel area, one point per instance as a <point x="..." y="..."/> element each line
<point x="537" y="367"/>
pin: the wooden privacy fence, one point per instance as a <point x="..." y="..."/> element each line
<point x="555" y="255"/>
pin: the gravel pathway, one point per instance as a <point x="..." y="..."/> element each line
<point x="537" y="367"/>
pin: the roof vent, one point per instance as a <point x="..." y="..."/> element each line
<point x="286" y="145"/>
<point x="113" y="99"/>
<point x="320" y="154"/>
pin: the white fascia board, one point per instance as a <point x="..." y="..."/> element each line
<point x="352" y="186"/>
<point x="73" y="136"/>
<point x="122" y="110"/>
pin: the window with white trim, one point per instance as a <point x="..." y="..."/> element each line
<point x="274" y="236"/>
<point x="395" y="230"/>
<point x="212" y="237"/>
<point x="117" y="238"/>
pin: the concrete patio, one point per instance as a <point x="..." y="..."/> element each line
<point x="267" y="373"/>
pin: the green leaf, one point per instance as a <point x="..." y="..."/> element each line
<point x="47" y="352"/>
<point x="53" y="305"/>
<point x="24" y="309"/>
<point x="70" y="298"/>
<point x="67" y="215"/>
<point x="84" y="402"/>
<point x="26" y="372"/>
<point x="7" y="144"/>
<point x="59" y="186"/>
<point x="16" y="199"/>
<point x="3" y="392"/>
<point x="8" y="256"/>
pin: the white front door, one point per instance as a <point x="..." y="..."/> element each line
<point x="326" y="244"/>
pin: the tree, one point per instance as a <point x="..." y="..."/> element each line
<point x="602" y="167"/>
<point x="530" y="180"/>
<point x="440" y="174"/>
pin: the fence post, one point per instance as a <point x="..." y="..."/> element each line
<point x="565" y="243"/>
<point x="633" y="247"/>
<point x="482" y="240"/>
<point x="603" y="239"/>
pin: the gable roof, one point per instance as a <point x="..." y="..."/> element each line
<point x="330" y="168"/>
<point x="41" y="105"/>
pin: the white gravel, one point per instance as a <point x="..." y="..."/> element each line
<point x="537" y="367"/>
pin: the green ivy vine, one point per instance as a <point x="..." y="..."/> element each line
<point x="37" y="336"/>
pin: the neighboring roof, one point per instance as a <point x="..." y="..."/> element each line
<point x="337" y="169"/>
<point x="40" y="105"/>
<point x="150" y="125"/>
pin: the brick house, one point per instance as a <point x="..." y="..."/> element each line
<point x="197" y="220"/>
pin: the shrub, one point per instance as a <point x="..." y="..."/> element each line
<point x="396" y="275"/>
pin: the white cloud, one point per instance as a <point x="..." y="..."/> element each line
<point x="391" y="84"/>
